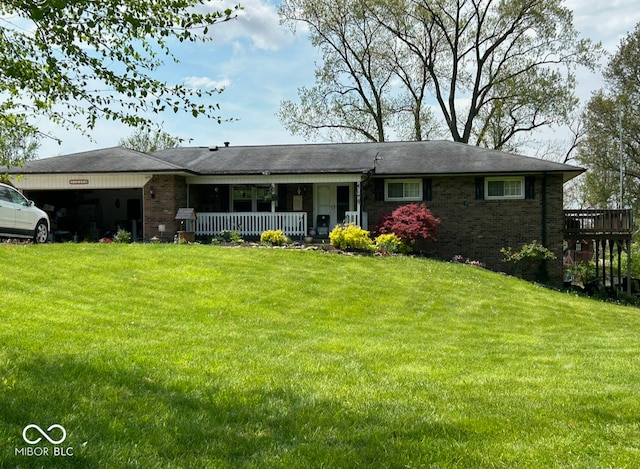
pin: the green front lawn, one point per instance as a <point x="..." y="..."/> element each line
<point x="163" y="356"/>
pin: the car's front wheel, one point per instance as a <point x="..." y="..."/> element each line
<point x="41" y="234"/>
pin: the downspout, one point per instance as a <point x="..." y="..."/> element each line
<point x="543" y="237"/>
<point x="361" y="185"/>
<point x="144" y="214"/>
<point x="544" y="271"/>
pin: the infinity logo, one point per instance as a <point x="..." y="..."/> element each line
<point x="44" y="434"/>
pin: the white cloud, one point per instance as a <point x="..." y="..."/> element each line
<point x="607" y="22"/>
<point x="206" y="82"/>
<point x="258" y="22"/>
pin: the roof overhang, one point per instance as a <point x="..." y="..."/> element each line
<point x="566" y="175"/>
<point x="80" y="181"/>
<point x="326" y="178"/>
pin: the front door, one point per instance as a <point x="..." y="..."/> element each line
<point x="334" y="201"/>
<point x="325" y="207"/>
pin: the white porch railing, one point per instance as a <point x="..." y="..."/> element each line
<point x="352" y="217"/>
<point x="251" y="223"/>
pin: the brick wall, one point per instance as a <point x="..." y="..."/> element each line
<point x="478" y="229"/>
<point x="170" y="194"/>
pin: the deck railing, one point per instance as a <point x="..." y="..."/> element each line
<point x="601" y="223"/>
<point x="251" y="223"/>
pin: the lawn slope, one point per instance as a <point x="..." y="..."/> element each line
<point x="202" y="356"/>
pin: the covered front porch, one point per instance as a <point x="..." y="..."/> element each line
<point x="292" y="224"/>
<point x="250" y="205"/>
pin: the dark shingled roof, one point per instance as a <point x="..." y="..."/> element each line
<point x="106" y="160"/>
<point x="390" y="158"/>
<point x="277" y="159"/>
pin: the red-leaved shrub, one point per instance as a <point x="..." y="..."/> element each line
<point x="410" y="223"/>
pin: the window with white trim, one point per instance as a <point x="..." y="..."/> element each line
<point x="403" y="189"/>
<point x="251" y="198"/>
<point x="504" y="188"/>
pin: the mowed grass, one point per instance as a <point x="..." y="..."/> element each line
<point x="167" y="356"/>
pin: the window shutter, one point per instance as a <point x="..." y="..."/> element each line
<point x="427" y="192"/>
<point x="379" y="190"/>
<point x="479" y="188"/>
<point x="530" y="187"/>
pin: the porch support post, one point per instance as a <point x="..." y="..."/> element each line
<point x="358" y="197"/>
<point x="273" y="202"/>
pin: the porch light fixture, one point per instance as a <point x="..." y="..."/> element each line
<point x="152" y="193"/>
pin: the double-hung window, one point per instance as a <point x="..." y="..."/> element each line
<point x="504" y="188"/>
<point x="403" y="189"/>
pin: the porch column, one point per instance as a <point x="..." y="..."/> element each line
<point x="273" y="202"/>
<point x="358" y="196"/>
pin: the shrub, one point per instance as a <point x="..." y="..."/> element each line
<point x="583" y="272"/>
<point x="228" y="236"/>
<point x="351" y="237"/>
<point x="410" y="223"/>
<point x="273" y="238"/>
<point x="122" y="236"/>
<point x="390" y="243"/>
<point x="531" y="252"/>
<point x="529" y="260"/>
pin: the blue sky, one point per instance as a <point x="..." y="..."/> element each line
<point x="259" y="63"/>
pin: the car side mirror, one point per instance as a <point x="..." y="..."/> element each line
<point x="31" y="203"/>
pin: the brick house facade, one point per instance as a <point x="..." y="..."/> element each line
<point x="486" y="199"/>
<point x="477" y="229"/>
<point x="163" y="196"/>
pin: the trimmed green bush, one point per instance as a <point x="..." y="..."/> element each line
<point x="392" y="244"/>
<point x="274" y="238"/>
<point x="351" y="237"/>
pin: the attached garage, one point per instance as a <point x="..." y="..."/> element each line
<point x="90" y="205"/>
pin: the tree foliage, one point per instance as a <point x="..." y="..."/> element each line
<point x="75" y="62"/>
<point x="612" y="126"/>
<point x="149" y="141"/>
<point x="19" y="142"/>
<point x="356" y="96"/>
<point x="494" y="70"/>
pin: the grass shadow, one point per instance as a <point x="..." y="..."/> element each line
<point x="123" y="418"/>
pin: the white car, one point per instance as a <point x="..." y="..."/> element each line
<point x="20" y="218"/>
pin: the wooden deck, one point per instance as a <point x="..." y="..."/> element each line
<point x="598" y="224"/>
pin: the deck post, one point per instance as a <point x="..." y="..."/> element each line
<point x="611" y="263"/>
<point x="628" y="243"/>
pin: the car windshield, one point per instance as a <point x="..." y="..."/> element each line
<point x="14" y="196"/>
<point x="5" y="195"/>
